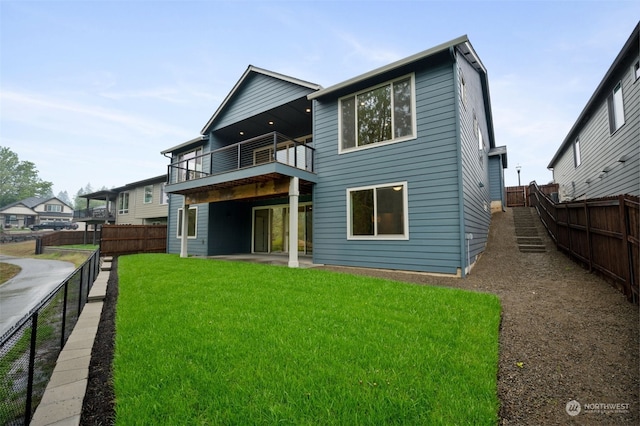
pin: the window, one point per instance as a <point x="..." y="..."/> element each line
<point x="616" y="109"/>
<point x="577" y="158"/>
<point x="164" y="197"/>
<point x="384" y="113"/>
<point x="148" y="194"/>
<point x="123" y="203"/>
<point x="192" y="225"/>
<point x="57" y="208"/>
<point x="463" y="93"/>
<point x="378" y="212"/>
<point x="190" y="165"/>
<point x="636" y="70"/>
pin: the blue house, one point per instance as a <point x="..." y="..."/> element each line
<point x="392" y="169"/>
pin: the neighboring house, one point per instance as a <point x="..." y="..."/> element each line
<point x="139" y="203"/>
<point x="390" y="169"/>
<point x="143" y="203"/>
<point x="35" y="210"/>
<point x="600" y="155"/>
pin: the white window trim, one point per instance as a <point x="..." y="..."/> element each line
<point x="53" y="208"/>
<point x="635" y="70"/>
<point x="124" y="210"/>
<point x="405" y="210"/>
<point x="577" y="154"/>
<point x="179" y="227"/>
<point x="615" y="108"/>
<point x="414" y="126"/>
<point x="144" y="195"/>
<point x="463" y="88"/>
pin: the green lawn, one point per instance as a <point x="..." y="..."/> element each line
<point x="212" y="342"/>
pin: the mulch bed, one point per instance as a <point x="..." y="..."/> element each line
<point x="566" y="335"/>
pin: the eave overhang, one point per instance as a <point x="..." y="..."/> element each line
<point x="631" y="47"/>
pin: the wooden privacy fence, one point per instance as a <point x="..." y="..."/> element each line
<point x="63" y="238"/>
<point x="518" y="196"/>
<point x="603" y="234"/>
<point x="130" y="239"/>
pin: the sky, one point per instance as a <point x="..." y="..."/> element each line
<point x="91" y="92"/>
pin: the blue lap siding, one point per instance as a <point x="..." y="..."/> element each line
<point x="428" y="164"/>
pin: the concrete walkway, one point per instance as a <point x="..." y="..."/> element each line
<point x="61" y="403"/>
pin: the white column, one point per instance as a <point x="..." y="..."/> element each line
<point x="294" y="193"/>
<point x="185" y="228"/>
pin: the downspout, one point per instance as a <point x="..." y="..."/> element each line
<point x="461" y="232"/>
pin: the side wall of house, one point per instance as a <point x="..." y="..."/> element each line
<point x="429" y="166"/>
<point x="496" y="183"/>
<point x="600" y="150"/>
<point x="197" y="246"/>
<point x="155" y="210"/>
<point x="475" y="145"/>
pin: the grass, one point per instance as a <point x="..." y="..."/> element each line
<point x="8" y="271"/>
<point x="212" y="342"/>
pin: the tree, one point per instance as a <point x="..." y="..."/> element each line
<point x="19" y="179"/>
<point x="64" y="197"/>
<point x="80" y="203"/>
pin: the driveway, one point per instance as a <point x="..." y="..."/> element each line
<point x="24" y="291"/>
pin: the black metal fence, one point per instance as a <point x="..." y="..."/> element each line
<point x="29" y="350"/>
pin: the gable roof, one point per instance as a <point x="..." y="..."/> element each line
<point x="33" y="202"/>
<point x="252" y="69"/>
<point x="461" y="42"/>
<point x="631" y="47"/>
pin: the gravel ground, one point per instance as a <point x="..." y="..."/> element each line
<point x="566" y="335"/>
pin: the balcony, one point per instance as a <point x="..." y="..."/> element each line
<point x="262" y="157"/>
<point x="97" y="214"/>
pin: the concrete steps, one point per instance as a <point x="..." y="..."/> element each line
<point x="527" y="232"/>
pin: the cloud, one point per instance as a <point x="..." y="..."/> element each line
<point x="54" y="113"/>
<point x="372" y="53"/>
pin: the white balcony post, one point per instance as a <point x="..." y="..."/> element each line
<point x="294" y="193"/>
<point x="185" y="228"/>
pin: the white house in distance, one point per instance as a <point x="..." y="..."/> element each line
<point x="35" y="210"/>
<point x="600" y="156"/>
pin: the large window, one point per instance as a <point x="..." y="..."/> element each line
<point x="616" y="108"/>
<point x="148" y="194"/>
<point x="123" y="203"/>
<point x="384" y="113"/>
<point x="192" y="222"/>
<point x="378" y="212"/>
<point x="57" y="208"/>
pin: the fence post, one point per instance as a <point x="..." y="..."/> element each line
<point x="80" y="294"/>
<point x="587" y="219"/>
<point x="626" y="249"/>
<point x="64" y="314"/>
<point x="32" y="358"/>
